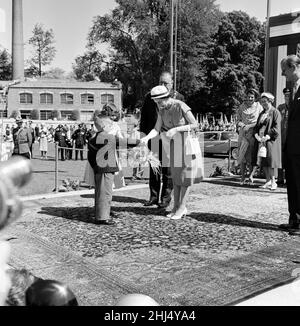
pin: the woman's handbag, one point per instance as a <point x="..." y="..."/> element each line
<point x="199" y="169"/>
<point x="262" y="151"/>
<point x="119" y="180"/>
<point x="192" y="145"/>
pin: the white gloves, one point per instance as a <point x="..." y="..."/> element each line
<point x="262" y="139"/>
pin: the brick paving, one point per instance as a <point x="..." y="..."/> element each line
<point x="227" y="247"/>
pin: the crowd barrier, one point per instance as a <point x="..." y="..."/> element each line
<point x="56" y="189"/>
<point x="56" y="161"/>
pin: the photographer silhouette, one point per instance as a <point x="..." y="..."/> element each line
<point x="14" y="174"/>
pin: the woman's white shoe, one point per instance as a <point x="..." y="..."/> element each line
<point x="179" y="216"/>
<point x="273" y="186"/>
<point x="170" y="215"/>
<point x="266" y="185"/>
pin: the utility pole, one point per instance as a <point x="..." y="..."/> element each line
<point x="266" y="66"/>
<point x="175" y="44"/>
<point x="173" y="39"/>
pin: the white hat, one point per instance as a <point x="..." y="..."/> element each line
<point x="268" y="96"/>
<point x="159" y="92"/>
<point x="19" y="119"/>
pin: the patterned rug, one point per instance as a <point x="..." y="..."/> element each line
<point x="172" y="279"/>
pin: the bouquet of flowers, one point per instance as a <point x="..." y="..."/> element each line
<point x="140" y="156"/>
<point x="69" y="185"/>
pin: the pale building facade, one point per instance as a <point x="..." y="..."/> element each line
<point x="62" y="96"/>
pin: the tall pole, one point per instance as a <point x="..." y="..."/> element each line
<point x="175" y="46"/>
<point x="56" y="166"/>
<point x="17" y="40"/>
<point x="267" y="42"/>
<point x="171" y="37"/>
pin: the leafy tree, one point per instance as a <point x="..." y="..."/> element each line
<point x="234" y="62"/>
<point x="44" y="52"/>
<point x="5" y="65"/>
<point x="54" y="73"/>
<point x="87" y="67"/>
<point x="138" y="32"/>
<point x="31" y="71"/>
<point x="35" y="114"/>
<point x="219" y="54"/>
<point x="197" y="24"/>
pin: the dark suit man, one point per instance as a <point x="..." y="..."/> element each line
<point x="291" y="70"/>
<point x="284" y="110"/>
<point x="31" y="129"/>
<point x="22" y="139"/>
<point x="160" y="185"/>
<point x="60" y="137"/>
<point x="79" y="138"/>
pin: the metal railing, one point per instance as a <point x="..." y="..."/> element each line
<point x="56" y="160"/>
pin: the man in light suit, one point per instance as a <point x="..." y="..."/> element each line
<point x="22" y="139"/>
<point x="290" y="67"/>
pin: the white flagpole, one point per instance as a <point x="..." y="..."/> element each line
<point x="266" y="68"/>
<point x="171" y="36"/>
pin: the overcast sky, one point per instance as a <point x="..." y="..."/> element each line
<point x="71" y="20"/>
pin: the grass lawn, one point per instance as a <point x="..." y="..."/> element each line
<point x="43" y="177"/>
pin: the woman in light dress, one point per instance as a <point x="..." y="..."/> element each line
<point x="43" y="140"/>
<point x="175" y="120"/>
<point x="247" y="116"/>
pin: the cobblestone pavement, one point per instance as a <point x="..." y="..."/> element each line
<point x="228" y="245"/>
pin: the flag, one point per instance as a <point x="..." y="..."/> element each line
<point x="225" y="120"/>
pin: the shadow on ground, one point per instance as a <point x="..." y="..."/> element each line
<point x="234" y="182"/>
<point x="86" y="215"/>
<point x="229" y="220"/>
<point x="119" y="199"/>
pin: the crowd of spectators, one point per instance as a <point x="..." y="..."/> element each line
<point x="67" y="135"/>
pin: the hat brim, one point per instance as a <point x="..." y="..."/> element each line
<point x="160" y="96"/>
<point x="269" y="97"/>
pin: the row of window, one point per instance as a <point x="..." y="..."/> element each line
<point x="65" y="115"/>
<point x="65" y="98"/>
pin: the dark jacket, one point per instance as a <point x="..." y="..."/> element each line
<point x="273" y="129"/>
<point x="22" y="140"/>
<point x="129" y="102"/>
<point x="89" y="134"/>
<point x="79" y="137"/>
<point x="110" y="163"/>
<point x="293" y="127"/>
<point x="149" y="112"/>
<point x="60" y="136"/>
<point x="283" y="109"/>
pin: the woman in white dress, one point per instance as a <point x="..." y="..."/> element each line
<point x="43" y="140"/>
<point x="247" y="116"/>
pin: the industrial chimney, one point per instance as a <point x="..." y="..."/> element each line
<point x="17" y="40"/>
